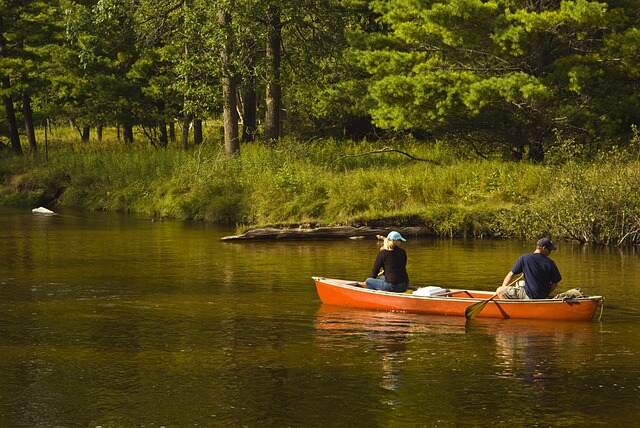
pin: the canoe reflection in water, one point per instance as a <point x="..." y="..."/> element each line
<point x="538" y="355"/>
<point x="542" y="354"/>
<point x="387" y="333"/>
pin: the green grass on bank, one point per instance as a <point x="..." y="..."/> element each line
<point x="337" y="182"/>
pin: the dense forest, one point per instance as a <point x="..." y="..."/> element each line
<point x="500" y="76"/>
<point x="487" y="118"/>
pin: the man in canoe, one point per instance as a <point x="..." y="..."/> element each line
<point x="393" y="260"/>
<point x="541" y="275"/>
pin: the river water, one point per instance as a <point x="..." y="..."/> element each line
<point x="117" y="321"/>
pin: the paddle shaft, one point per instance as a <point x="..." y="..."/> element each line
<point x="475" y="308"/>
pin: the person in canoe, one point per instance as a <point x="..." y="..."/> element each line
<point x="541" y="275"/>
<point x="392" y="258"/>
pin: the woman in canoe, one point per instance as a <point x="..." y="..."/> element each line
<point x="393" y="260"/>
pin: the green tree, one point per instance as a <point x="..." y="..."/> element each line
<point x="303" y="41"/>
<point x="91" y="84"/>
<point x="501" y="69"/>
<point x="327" y="90"/>
<point x="7" y="67"/>
<point x="27" y="31"/>
<point x="186" y="37"/>
<point x="40" y="30"/>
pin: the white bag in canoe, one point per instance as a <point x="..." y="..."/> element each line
<point x="430" y="291"/>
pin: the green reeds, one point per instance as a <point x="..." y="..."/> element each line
<point x="335" y="182"/>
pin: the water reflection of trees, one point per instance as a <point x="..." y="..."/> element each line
<point x="444" y="367"/>
<point x="386" y="333"/>
<point x="528" y="347"/>
<point x="541" y="356"/>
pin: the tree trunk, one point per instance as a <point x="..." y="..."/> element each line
<point x="249" y="109"/>
<point x="274" y="91"/>
<point x="230" y="116"/>
<point x="186" y="118"/>
<point x="186" y="123"/>
<point x="536" y="151"/>
<point x="172" y="131"/>
<point x="516" y="152"/>
<point x="324" y="232"/>
<point x="27" y="113"/>
<point x="197" y="132"/>
<point x="164" y="141"/>
<point x="118" y="133"/>
<point x="99" y="130"/>
<point x="10" y="115"/>
<point x="47" y="129"/>
<point x="9" y="112"/>
<point x="537" y="136"/>
<point x="127" y="133"/>
<point x="86" y="133"/>
<point x="229" y="90"/>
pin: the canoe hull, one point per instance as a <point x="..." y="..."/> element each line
<point x="343" y="293"/>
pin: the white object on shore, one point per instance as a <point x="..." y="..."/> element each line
<point x="42" y="210"/>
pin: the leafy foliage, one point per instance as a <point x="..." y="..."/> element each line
<point x="521" y="69"/>
<point x="504" y="76"/>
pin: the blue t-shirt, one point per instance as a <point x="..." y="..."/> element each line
<point x="539" y="273"/>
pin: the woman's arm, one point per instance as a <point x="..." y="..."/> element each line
<point x="377" y="265"/>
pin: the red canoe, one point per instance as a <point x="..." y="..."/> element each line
<point x="349" y="294"/>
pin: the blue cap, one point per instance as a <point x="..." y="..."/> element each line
<point x="395" y="236"/>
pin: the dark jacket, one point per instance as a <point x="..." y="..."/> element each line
<point x="394" y="263"/>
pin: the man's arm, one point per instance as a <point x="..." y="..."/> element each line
<point x="507" y="279"/>
<point x="555" y="279"/>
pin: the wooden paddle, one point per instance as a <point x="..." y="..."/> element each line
<point x="472" y="310"/>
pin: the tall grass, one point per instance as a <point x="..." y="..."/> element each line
<point x="337" y="182"/>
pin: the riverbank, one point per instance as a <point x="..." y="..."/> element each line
<point x="334" y="183"/>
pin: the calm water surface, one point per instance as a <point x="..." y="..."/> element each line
<point x="122" y="322"/>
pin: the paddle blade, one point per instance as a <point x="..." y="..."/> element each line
<point x="474" y="309"/>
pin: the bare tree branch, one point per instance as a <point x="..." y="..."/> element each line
<point x="390" y="150"/>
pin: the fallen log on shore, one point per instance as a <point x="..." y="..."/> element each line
<point x="324" y="232"/>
